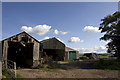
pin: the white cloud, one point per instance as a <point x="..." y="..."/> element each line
<point x="56" y="31"/>
<point x="98" y="49"/>
<point x="91" y="29"/>
<point x="44" y="38"/>
<point x="75" y="39"/>
<point x="39" y="29"/>
<point x="63" y="33"/>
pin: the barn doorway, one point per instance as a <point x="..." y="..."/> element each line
<point x="72" y="55"/>
<point x="57" y="54"/>
<point x="21" y="54"/>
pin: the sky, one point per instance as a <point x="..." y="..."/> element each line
<point x="74" y="23"/>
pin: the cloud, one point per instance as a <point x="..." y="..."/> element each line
<point x="102" y="49"/>
<point x="56" y="31"/>
<point x="91" y="29"/>
<point x="98" y="49"/>
<point x="75" y="39"/>
<point x="61" y="32"/>
<point x="44" y="38"/>
<point x="39" y="29"/>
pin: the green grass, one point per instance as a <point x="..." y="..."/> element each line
<point x="112" y="65"/>
<point x="8" y="74"/>
<point x="108" y="56"/>
<point x="18" y="76"/>
<point x="104" y="56"/>
<point x="83" y="57"/>
<point x="69" y="61"/>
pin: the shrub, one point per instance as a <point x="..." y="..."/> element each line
<point x="47" y="62"/>
<point x="47" y="59"/>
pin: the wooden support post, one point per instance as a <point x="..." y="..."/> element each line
<point x="15" y="68"/>
<point x="6" y="64"/>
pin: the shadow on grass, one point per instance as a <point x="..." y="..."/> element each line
<point x="92" y="64"/>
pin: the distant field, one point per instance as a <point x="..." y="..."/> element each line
<point x="103" y="56"/>
<point x="107" y="56"/>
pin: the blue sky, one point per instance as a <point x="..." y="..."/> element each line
<point x="75" y="23"/>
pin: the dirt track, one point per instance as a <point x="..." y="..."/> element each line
<point x="71" y="73"/>
<point x="69" y="70"/>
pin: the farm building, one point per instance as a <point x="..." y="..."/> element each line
<point x="53" y="47"/>
<point x="71" y="54"/>
<point x="26" y="51"/>
<point x="22" y="49"/>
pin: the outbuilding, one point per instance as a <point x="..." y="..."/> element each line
<point x="71" y="54"/>
<point x="91" y="55"/>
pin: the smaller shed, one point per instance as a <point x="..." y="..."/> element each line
<point x="91" y="55"/>
<point x="71" y="54"/>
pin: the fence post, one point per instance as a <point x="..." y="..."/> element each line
<point x="15" y="68"/>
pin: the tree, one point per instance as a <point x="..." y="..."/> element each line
<point x="111" y="27"/>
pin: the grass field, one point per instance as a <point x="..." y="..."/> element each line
<point x="107" y="56"/>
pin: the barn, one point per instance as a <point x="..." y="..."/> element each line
<point x="26" y="51"/>
<point x="22" y="49"/>
<point x="71" y="54"/>
<point x="53" y="47"/>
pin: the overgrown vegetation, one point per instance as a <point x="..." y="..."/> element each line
<point x="7" y="74"/>
<point x="47" y="64"/>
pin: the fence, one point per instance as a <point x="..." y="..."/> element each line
<point x="11" y="66"/>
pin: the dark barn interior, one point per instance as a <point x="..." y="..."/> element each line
<point x="55" y="53"/>
<point x="20" y="54"/>
<point x="22" y="49"/>
<point x="53" y="47"/>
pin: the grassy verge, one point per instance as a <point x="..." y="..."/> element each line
<point x="53" y="66"/>
<point x="107" y="56"/>
<point x="48" y="69"/>
<point x="7" y="74"/>
<point x="68" y="61"/>
<point x="108" y="65"/>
